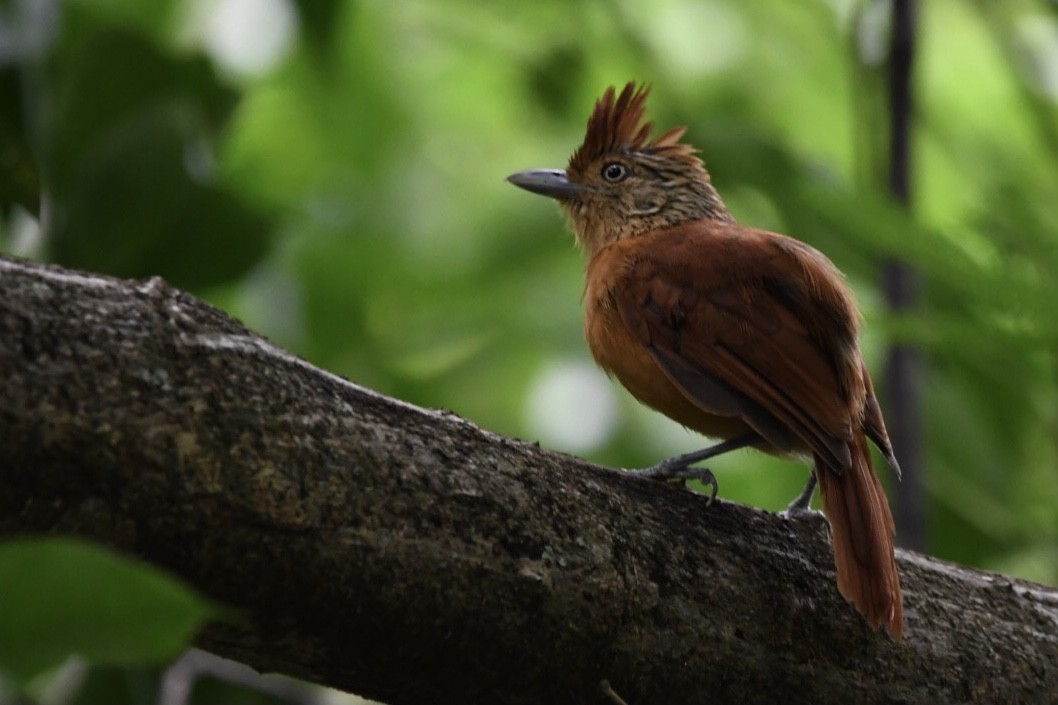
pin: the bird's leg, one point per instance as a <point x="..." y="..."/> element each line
<point x="679" y="467"/>
<point x="802" y="504"/>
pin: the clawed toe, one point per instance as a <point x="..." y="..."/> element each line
<point x="668" y="472"/>
<point x="681" y="466"/>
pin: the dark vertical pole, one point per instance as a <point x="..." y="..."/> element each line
<point x="903" y="372"/>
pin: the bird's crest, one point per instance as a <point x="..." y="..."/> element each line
<point x="616" y="126"/>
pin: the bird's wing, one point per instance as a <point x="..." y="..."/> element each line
<point x="750" y="324"/>
<point x="874" y="424"/>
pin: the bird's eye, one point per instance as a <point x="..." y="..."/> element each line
<point x="615" y="171"/>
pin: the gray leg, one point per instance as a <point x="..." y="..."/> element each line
<point x="802" y="504"/>
<point x="679" y="468"/>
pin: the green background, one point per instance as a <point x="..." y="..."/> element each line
<point x="349" y="202"/>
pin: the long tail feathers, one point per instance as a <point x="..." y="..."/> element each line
<point x="862" y="526"/>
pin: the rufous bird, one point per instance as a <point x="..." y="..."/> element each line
<point x="737" y="333"/>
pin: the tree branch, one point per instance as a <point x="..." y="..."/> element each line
<point x="411" y="557"/>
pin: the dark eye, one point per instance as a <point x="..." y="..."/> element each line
<point x="615" y="171"/>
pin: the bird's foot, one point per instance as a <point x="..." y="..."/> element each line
<point x="797" y="513"/>
<point x="801" y="507"/>
<point x="681" y="467"/>
<point x="675" y="469"/>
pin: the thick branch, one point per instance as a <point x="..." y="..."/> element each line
<point x="409" y="556"/>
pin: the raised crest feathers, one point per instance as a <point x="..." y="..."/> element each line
<point x="616" y="126"/>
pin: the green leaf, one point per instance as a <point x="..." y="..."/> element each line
<point x="67" y="596"/>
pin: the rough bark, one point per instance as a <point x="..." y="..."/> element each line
<point x="409" y="556"/>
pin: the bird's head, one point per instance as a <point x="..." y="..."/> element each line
<point x="621" y="183"/>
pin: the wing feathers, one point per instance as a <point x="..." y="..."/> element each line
<point x="735" y="349"/>
<point x="719" y="398"/>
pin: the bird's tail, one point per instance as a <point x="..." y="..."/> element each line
<point x="862" y="526"/>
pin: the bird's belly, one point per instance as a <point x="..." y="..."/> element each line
<point x="624" y="357"/>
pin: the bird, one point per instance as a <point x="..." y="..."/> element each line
<point x="740" y="334"/>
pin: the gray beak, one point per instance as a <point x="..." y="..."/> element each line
<point x="547" y="182"/>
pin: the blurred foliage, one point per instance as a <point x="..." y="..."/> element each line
<point x="348" y="199"/>
<point x="66" y="595"/>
